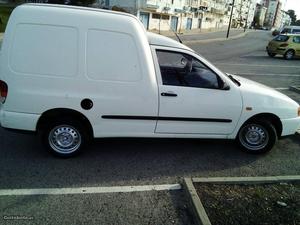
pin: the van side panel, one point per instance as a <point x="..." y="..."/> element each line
<point x="54" y="57"/>
<point x="120" y="61"/>
<point x="34" y="52"/>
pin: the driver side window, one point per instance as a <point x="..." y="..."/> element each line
<point x="179" y="69"/>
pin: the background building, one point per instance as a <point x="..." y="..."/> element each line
<point x="181" y="15"/>
<point x="260" y="14"/>
<point x="275" y="17"/>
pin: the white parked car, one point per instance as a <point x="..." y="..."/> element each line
<point x="72" y="73"/>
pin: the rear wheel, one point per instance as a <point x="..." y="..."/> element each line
<point x="271" y="54"/>
<point x="64" y="137"/>
<point x="257" y="137"/>
<point x="289" y="54"/>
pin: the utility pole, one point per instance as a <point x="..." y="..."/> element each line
<point x="229" y="25"/>
<point x="245" y="27"/>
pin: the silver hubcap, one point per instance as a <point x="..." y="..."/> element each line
<point x="289" y="54"/>
<point x="254" y="137"/>
<point x="64" y="139"/>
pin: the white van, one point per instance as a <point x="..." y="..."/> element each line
<point x="73" y="73"/>
<point x="290" y="30"/>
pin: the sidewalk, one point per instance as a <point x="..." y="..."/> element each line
<point x="208" y="35"/>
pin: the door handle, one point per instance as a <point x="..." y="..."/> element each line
<point x="168" y="94"/>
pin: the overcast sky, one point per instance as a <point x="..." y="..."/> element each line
<point x="295" y="5"/>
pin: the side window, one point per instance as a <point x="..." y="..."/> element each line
<point x="296" y="31"/>
<point x="179" y="69"/>
<point x="296" y="39"/>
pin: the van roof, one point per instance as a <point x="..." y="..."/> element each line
<point x="78" y="8"/>
<point x="153" y="39"/>
<point x="292" y="27"/>
<point x="156" y="39"/>
<point x="289" y="35"/>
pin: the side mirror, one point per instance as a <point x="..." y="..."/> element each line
<point x="225" y="87"/>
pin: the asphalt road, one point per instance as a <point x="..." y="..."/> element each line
<point x="111" y="162"/>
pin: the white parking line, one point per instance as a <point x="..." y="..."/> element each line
<point x="281" y="88"/>
<point x="89" y="190"/>
<point x="257" y="65"/>
<point x="267" y="74"/>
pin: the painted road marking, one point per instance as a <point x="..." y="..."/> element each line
<point x="281" y="88"/>
<point x="89" y="190"/>
<point x="257" y="65"/>
<point x="267" y="74"/>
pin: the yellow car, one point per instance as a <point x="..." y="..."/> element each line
<point x="287" y="45"/>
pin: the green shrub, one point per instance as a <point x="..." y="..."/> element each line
<point x="5" y="11"/>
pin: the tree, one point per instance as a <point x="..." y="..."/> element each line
<point x="297" y="23"/>
<point x="293" y="16"/>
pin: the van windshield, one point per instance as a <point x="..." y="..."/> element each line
<point x="286" y="30"/>
<point x="281" y="38"/>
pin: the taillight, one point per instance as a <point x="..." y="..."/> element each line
<point x="3" y="91"/>
<point x="283" y="45"/>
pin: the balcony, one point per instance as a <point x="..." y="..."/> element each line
<point x="217" y="11"/>
<point x="150" y="5"/>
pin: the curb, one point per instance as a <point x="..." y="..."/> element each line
<point x="216" y="39"/>
<point x="195" y="204"/>
<point x="295" y="89"/>
<point x="246" y="180"/>
<point x="197" y="208"/>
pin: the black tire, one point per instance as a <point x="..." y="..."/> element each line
<point x="289" y="54"/>
<point x="257" y="137"/>
<point x="64" y="137"/>
<point x="271" y="54"/>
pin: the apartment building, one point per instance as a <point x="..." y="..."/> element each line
<point x="285" y="19"/>
<point x="181" y="15"/>
<point x="174" y="15"/>
<point x="275" y="16"/>
<point x="260" y="14"/>
<point x="273" y="11"/>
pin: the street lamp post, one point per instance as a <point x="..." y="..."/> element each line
<point x="245" y="27"/>
<point x="229" y="25"/>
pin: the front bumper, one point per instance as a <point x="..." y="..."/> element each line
<point x="290" y="126"/>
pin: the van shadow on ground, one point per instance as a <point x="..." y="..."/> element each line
<point x="24" y="162"/>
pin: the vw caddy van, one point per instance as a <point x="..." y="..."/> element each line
<point x="71" y="74"/>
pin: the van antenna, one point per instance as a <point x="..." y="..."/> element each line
<point x="180" y="41"/>
<point x="178" y="37"/>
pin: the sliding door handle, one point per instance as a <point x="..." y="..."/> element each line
<point x="168" y="94"/>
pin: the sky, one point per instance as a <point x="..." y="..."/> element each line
<point x="295" y="5"/>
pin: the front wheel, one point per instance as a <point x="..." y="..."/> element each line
<point x="289" y="54"/>
<point x="271" y="54"/>
<point x="64" y="138"/>
<point x="257" y="137"/>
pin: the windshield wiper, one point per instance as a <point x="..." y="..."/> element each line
<point x="234" y="80"/>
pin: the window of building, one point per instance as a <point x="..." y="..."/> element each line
<point x="155" y="16"/>
<point x="160" y="16"/>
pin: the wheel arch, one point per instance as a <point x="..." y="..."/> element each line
<point x="52" y="114"/>
<point x="270" y="117"/>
